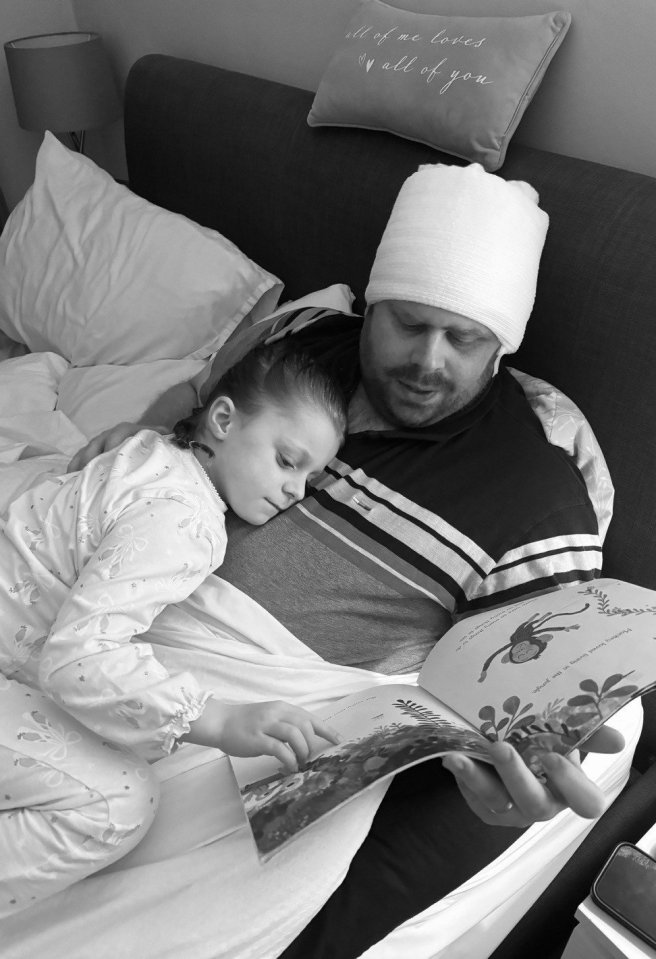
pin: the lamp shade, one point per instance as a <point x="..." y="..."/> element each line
<point x="62" y="82"/>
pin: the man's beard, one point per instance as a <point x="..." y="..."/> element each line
<point x="401" y="409"/>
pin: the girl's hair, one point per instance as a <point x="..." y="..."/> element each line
<point x="277" y="374"/>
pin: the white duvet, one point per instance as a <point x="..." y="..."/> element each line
<point x="194" y="888"/>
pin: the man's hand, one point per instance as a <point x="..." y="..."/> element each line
<point x="105" y="441"/>
<point x="512" y="796"/>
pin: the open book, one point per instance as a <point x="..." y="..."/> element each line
<point x="542" y="674"/>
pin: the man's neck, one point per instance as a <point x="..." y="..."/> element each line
<point x="362" y="417"/>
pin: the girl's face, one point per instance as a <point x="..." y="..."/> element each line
<point x="263" y="461"/>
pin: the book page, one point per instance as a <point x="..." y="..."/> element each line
<point x="384" y="729"/>
<point x="544" y="673"/>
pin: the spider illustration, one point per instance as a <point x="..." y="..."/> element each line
<point x="524" y="643"/>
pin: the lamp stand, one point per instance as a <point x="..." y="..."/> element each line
<point x="78" y="140"/>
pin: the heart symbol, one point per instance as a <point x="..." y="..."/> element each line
<point x="370" y="64"/>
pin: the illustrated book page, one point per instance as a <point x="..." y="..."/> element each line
<point x="542" y="674"/>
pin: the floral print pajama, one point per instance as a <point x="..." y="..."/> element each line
<point x="87" y="561"/>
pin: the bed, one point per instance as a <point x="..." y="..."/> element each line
<point x="128" y="308"/>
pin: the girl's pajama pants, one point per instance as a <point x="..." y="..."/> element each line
<point x="70" y="803"/>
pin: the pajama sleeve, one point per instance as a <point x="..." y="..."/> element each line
<point x="156" y="552"/>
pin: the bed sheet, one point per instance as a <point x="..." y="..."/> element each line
<point x="194" y="886"/>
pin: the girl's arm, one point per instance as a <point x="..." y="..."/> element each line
<point x="155" y="553"/>
<point x="162" y="415"/>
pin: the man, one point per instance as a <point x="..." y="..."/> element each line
<point x="445" y="499"/>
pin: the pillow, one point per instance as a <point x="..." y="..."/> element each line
<point x="93" y="272"/>
<point x="565" y="425"/>
<point x="95" y="398"/>
<point x="459" y="84"/>
<point x="29" y="384"/>
<point x="339" y="296"/>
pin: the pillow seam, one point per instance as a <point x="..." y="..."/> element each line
<point x="529" y="90"/>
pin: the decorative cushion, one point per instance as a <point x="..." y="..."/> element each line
<point x="93" y="272"/>
<point x="459" y="84"/>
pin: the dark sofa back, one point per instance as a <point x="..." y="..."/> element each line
<point x="235" y="153"/>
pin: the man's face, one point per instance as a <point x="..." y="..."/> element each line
<point x="421" y="363"/>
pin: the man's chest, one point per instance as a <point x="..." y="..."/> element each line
<point x="397" y="514"/>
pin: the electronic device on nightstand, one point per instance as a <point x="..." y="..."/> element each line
<point x="618" y="919"/>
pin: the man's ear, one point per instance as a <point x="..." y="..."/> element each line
<point x="220" y="417"/>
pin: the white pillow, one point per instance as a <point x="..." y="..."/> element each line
<point x="96" y="398"/>
<point x="565" y="425"/>
<point x="29" y="384"/>
<point x="93" y="272"/>
<point x="339" y="296"/>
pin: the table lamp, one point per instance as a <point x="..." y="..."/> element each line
<point x="62" y="82"/>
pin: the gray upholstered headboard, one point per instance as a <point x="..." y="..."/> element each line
<point x="235" y="153"/>
<point x="4" y="211"/>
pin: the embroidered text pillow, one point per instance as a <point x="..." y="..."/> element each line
<point x="459" y="84"/>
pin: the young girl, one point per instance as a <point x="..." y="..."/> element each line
<point x="87" y="561"/>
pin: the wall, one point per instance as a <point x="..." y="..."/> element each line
<point x="597" y="100"/>
<point x="23" y="18"/>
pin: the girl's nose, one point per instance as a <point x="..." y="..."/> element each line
<point x="294" y="489"/>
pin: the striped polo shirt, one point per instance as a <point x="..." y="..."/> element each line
<point x="408" y="529"/>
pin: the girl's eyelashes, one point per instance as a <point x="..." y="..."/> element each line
<point x="285" y="461"/>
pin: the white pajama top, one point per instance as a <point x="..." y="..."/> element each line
<point x="87" y="561"/>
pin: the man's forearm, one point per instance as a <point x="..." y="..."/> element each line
<point x="170" y="407"/>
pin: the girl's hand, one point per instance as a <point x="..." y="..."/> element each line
<point x="276" y="729"/>
<point x="107" y="440"/>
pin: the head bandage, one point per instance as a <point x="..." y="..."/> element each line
<point x="467" y="241"/>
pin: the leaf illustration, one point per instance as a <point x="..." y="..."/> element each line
<point x="503" y="722"/>
<point x="622" y="691"/>
<point x="526" y="721"/>
<point x="590" y="686"/>
<point x="487" y="713"/>
<point x="580" y="701"/>
<point x="511" y="705"/>
<point x="611" y="681"/>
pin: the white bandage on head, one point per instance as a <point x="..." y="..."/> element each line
<point x="467" y="241"/>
